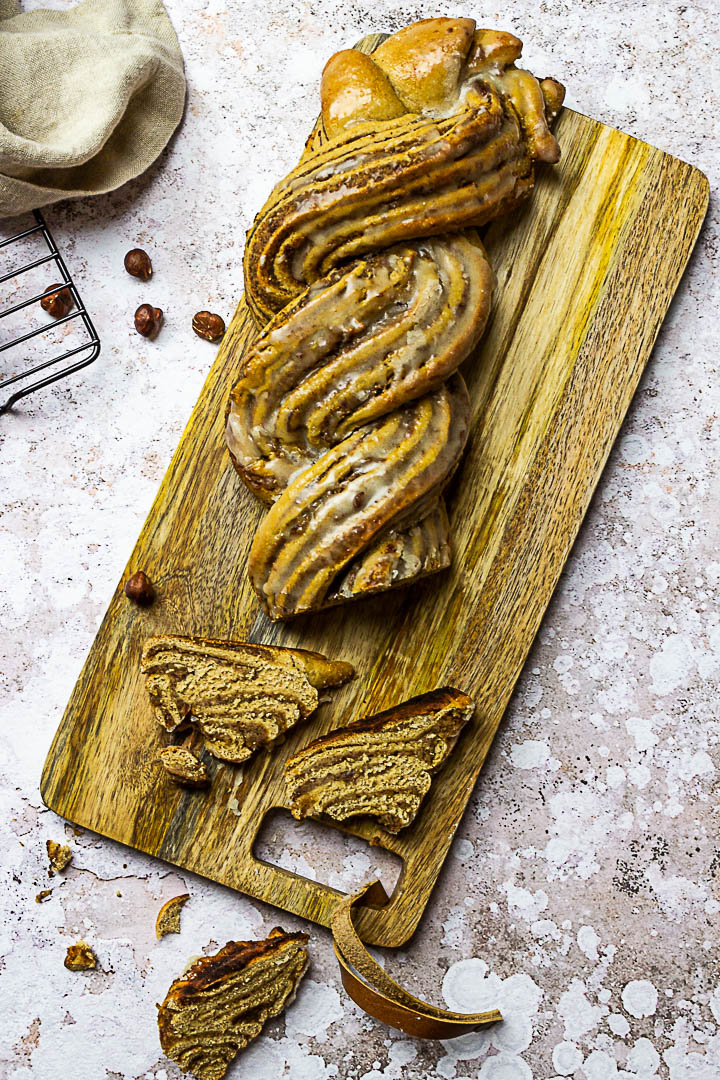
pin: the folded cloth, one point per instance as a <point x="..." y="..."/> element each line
<point x="89" y="97"/>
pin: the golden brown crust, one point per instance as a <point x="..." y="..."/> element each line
<point x="446" y="697"/>
<point x="400" y="557"/>
<point x="437" y="77"/>
<point x="235" y="956"/>
<point x="349" y="419"/>
<point x="424" y="61"/>
<point x="349" y="76"/>
<point x="320" y="671"/>
<point x="429" y="67"/>
<point x="387" y="183"/>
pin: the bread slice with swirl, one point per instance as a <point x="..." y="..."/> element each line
<point x="240" y="696"/>
<point x="381" y="766"/>
<point x="221" y="1002"/>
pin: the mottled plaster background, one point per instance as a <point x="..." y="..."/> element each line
<point x="583" y="890"/>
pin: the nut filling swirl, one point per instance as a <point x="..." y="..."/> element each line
<point x="349" y="416"/>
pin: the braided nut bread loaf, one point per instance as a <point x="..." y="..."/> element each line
<point x="349" y="416"/>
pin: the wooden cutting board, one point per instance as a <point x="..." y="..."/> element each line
<point x="585" y="275"/>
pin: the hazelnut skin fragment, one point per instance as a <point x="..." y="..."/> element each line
<point x="148" y="320"/>
<point x="137" y="263"/>
<point x="139" y="588"/>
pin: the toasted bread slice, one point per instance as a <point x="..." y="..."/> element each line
<point x="239" y="696"/>
<point x="383" y="765"/>
<point x="222" y="1002"/>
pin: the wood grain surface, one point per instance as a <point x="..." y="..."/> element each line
<point x="585" y="275"/>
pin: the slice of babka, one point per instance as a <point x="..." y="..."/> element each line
<point x="383" y="765"/>
<point x="221" y="1003"/>
<point x="239" y="696"/>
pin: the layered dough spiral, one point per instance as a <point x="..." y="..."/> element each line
<point x="372" y="287"/>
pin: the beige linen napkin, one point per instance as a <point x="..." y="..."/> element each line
<point x="89" y="96"/>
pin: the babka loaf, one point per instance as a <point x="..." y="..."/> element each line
<point x="381" y="766"/>
<point x="222" y="1002"/>
<point x="349" y="415"/>
<point x="239" y="696"/>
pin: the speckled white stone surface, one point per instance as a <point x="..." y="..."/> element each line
<point x="583" y="890"/>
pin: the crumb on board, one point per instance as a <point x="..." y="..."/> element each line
<point x="183" y="766"/>
<point x="43" y="895"/>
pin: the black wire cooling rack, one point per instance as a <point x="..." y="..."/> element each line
<point x="80" y="355"/>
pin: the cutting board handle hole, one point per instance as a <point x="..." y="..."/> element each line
<point x="323" y="854"/>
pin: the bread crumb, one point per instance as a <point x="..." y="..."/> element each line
<point x="42" y="896"/>
<point x="59" y="855"/>
<point x="168" y="920"/>
<point x="183" y="766"/>
<point x="80" y="957"/>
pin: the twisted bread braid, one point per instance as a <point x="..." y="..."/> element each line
<point x="349" y="416"/>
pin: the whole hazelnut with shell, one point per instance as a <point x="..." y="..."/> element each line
<point x="59" y="303"/>
<point x="209" y="326"/>
<point x="148" y="320"/>
<point x="137" y="262"/>
<point x="139" y="589"/>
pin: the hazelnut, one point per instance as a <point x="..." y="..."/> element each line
<point x="139" y="588"/>
<point x="59" y="303"/>
<point x="137" y="262"/>
<point x="208" y="326"/>
<point x="148" y="320"/>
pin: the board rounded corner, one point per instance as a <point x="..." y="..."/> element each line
<point x="45" y="787"/>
